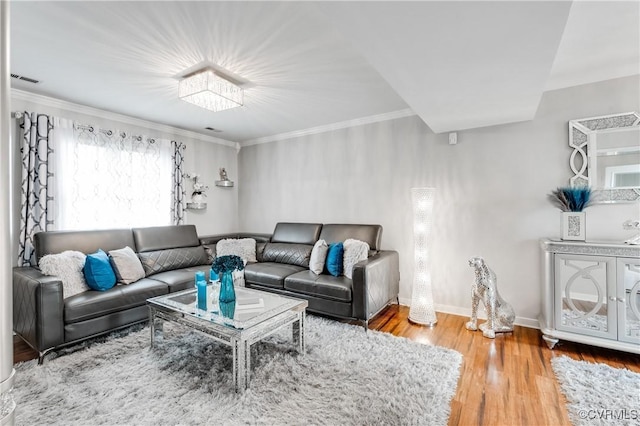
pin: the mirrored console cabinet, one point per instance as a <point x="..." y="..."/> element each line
<point x="591" y="294"/>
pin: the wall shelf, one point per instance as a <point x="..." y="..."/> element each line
<point x="224" y="183"/>
<point x="196" y="206"/>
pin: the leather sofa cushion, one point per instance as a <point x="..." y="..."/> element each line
<point x="157" y="261"/>
<point x="260" y="251"/>
<point x="53" y="242"/>
<point x="296" y="233"/>
<point x="181" y="279"/>
<point x="165" y="237"/>
<point x="93" y="326"/>
<point x="323" y="286"/>
<point x="292" y="254"/>
<point x="93" y="304"/>
<point x="335" y="233"/>
<point x="269" y="274"/>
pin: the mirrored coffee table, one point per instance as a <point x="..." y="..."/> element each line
<point x="252" y="317"/>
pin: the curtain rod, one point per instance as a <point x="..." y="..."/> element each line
<point x="20" y="114"/>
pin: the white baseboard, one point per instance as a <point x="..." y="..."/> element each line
<point x="466" y="312"/>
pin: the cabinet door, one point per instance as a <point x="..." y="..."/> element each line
<point x="628" y="298"/>
<point x="584" y="285"/>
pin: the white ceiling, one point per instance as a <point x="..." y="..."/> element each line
<point x="457" y="65"/>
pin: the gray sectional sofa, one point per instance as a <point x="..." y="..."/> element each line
<point x="283" y="268"/>
<point x="171" y="256"/>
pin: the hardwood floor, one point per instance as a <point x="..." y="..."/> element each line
<point x="505" y="381"/>
<point x="21" y="351"/>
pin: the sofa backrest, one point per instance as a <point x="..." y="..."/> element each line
<point x="297" y="233"/>
<point x="53" y="242"/>
<point x="370" y="234"/>
<point x="213" y="239"/>
<point x="165" y="237"/>
<point x="165" y="248"/>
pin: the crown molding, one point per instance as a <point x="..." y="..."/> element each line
<point x="329" y="127"/>
<point x="108" y="115"/>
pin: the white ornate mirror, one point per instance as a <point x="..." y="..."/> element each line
<point x="606" y="156"/>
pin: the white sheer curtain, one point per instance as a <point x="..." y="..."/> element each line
<point x="112" y="179"/>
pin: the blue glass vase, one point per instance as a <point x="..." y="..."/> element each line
<point x="228" y="309"/>
<point x="227" y="293"/>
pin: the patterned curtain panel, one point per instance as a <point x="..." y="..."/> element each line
<point x="178" y="193"/>
<point x="114" y="179"/>
<point x="36" y="196"/>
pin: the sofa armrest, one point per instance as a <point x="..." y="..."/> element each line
<point x="376" y="281"/>
<point x="38" y="308"/>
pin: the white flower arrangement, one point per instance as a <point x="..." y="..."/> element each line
<point x="198" y="187"/>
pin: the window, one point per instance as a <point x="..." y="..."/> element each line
<point x="111" y="179"/>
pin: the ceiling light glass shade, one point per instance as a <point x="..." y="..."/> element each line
<point x="210" y="91"/>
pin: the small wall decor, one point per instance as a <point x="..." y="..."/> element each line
<point x="572" y="201"/>
<point x="500" y="314"/>
<point x="198" y="193"/>
<point x="224" y="179"/>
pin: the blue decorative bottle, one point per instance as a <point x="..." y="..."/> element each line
<point x="227" y="293"/>
<point x="228" y="309"/>
<point x="201" y="290"/>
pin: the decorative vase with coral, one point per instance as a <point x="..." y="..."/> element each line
<point x="572" y="201"/>
<point x="224" y="267"/>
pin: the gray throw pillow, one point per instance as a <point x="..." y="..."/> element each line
<point x="126" y="265"/>
<point x="318" y="257"/>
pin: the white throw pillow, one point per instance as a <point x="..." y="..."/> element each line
<point x="245" y="248"/>
<point x="354" y="252"/>
<point x="68" y="267"/>
<point x="318" y="257"/>
<point x="126" y="265"/>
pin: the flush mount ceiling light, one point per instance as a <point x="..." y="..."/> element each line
<point x="210" y="91"/>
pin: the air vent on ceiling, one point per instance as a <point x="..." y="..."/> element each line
<point x="23" y="78"/>
<point x="211" y="129"/>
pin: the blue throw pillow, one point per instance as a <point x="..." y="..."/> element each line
<point x="98" y="271"/>
<point x="335" y="256"/>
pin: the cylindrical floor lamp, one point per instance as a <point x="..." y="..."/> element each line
<point x="421" y="311"/>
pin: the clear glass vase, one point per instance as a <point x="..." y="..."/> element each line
<point x="227" y="293"/>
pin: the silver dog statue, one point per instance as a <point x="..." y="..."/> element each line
<point x="500" y="314"/>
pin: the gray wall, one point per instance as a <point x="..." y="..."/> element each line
<point x="491" y="190"/>
<point x="201" y="156"/>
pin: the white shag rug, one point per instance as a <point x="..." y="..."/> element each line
<point x="348" y="377"/>
<point x="598" y="394"/>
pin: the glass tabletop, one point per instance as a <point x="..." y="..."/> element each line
<point x="251" y="307"/>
